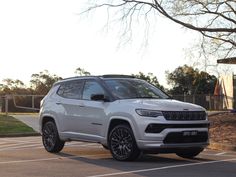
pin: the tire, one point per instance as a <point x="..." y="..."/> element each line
<point x="50" y="138"/>
<point x="122" y="143"/>
<point x="189" y="153"/>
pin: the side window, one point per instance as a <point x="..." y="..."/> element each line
<point x="71" y="90"/>
<point x="92" y="88"/>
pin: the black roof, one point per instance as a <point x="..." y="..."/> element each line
<point x="116" y="76"/>
<point x="102" y="76"/>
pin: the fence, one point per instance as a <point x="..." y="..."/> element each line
<point x="20" y="103"/>
<point x="209" y="102"/>
<point x="31" y="103"/>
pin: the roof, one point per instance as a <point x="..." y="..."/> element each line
<point x="116" y="76"/>
<point x="227" y="61"/>
<point x="90" y="77"/>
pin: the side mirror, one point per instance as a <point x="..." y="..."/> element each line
<point x="99" y="97"/>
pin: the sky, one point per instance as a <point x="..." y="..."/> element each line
<point x="51" y="34"/>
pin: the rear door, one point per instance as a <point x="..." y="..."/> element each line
<point x="93" y="112"/>
<point x="70" y="106"/>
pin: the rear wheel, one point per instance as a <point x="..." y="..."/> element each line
<point x="122" y="143"/>
<point x="189" y="153"/>
<point x="50" y="137"/>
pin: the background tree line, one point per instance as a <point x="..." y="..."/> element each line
<point x="183" y="80"/>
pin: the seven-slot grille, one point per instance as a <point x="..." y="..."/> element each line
<point x="184" y="115"/>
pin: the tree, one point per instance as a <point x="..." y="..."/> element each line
<point x="10" y="86"/>
<point x="214" y="19"/>
<point x="14" y="87"/>
<point x="81" y="72"/>
<point x="149" y="78"/>
<point x="42" y="82"/>
<point x="186" y="79"/>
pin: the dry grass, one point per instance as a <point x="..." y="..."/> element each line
<point x="223" y="128"/>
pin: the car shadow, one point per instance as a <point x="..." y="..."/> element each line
<point x="145" y="161"/>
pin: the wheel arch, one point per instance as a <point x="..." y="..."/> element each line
<point x="118" y="121"/>
<point x="45" y="119"/>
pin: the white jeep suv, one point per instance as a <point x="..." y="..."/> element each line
<point x="124" y="114"/>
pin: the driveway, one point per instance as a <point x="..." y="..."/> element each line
<point x="31" y="120"/>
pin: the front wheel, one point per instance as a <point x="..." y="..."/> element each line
<point x="122" y="143"/>
<point x="189" y="153"/>
<point x="50" y="137"/>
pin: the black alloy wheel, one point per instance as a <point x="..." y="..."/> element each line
<point x="122" y="143"/>
<point x="50" y="137"/>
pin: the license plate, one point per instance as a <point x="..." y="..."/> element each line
<point x="190" y="133"/>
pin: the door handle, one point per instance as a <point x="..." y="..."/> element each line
<point x="58" y="103"/>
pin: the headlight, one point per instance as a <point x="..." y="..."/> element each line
<point x="148" y="113"/>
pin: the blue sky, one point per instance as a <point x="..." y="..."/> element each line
<point x="49" y="34"/>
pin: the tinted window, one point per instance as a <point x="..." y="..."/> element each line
<point x="128" y="89"/>
<point x="71" y="89"/>
<point x="92" y="88"/>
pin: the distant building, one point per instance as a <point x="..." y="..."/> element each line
<point x="225" y="92"/>
<point x="227" y="86"/>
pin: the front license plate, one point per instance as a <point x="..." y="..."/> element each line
<point x="190" y="133"/>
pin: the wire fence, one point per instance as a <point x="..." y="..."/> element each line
<point x="31" y="103"/>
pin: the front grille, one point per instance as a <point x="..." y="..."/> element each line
<point x="184" y="115"/>
<point x="178" y="137"/>
<point x="158" y="128"/>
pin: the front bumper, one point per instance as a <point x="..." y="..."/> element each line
<point x="154" y="147"/>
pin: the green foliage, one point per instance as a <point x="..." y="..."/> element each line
<point x="150" y="78"/>
<point x="9" y="125"/>
<point x="81" y="72"/>
<point x="10" y="86"/>
<point x="186" y="79"/>
<point x="42" y="82"/>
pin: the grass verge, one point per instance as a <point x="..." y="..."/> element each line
<point x="11" y="126"/>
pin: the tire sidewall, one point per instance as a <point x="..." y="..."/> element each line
<point x="54" y="147"/>
<point x="132" y="155"/>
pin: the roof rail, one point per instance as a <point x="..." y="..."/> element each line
<point x="117" y="76"/>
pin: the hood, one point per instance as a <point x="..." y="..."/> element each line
<point x="162" y="104"/>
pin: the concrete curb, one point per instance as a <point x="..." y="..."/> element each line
<point x="220" y="146"/>
<point x="19" y="135"/>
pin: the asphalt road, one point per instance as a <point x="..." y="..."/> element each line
<point x="25" y="157"/>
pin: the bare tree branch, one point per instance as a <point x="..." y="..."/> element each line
<point x="214" y="19"/>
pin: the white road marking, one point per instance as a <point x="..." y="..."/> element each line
<point x="18" y="141"/>
<point x="3" y="143"/>
<point x="20" y="147"/>
<point x="10" y="145"/>
<point x="221" y="153"/>
<point x="53" y="158"/>
<point x="40" y="146"/>
<point x="162" y="168"/>
<point x="225" y="154"/>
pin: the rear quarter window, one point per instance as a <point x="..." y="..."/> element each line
<point x="71" y="89"/>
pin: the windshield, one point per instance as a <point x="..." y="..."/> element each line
<point x="132" y="88"/>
